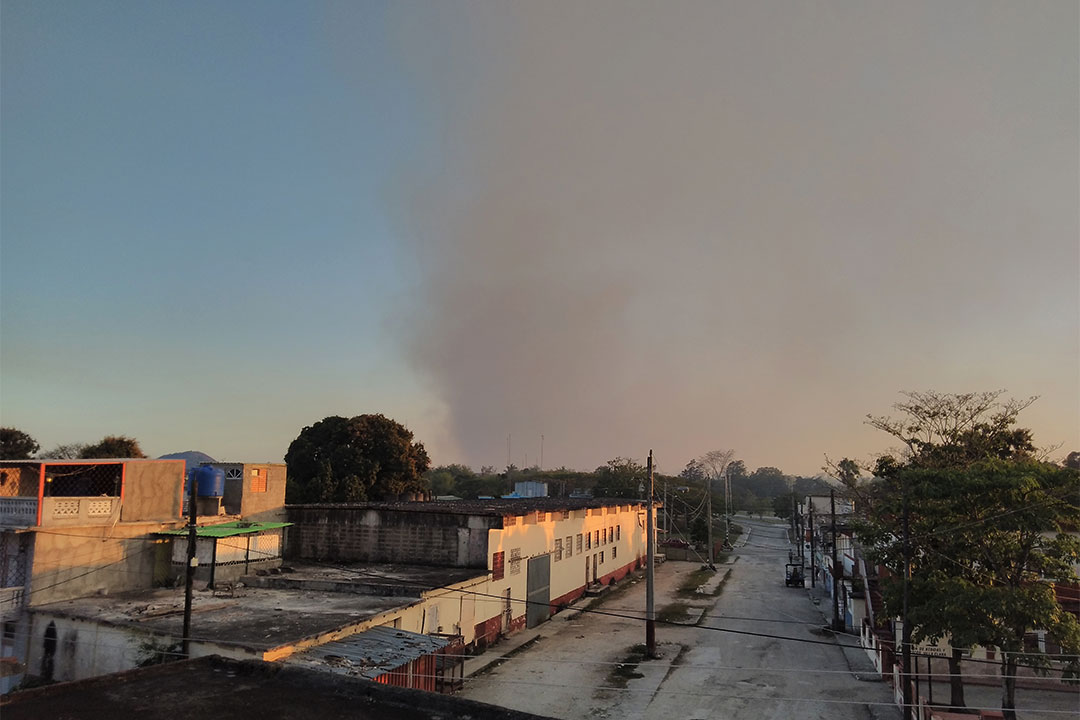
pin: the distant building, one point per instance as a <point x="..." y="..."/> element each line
<point x="530" y="489"/>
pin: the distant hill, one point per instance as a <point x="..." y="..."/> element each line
<point x="191" y="458"/>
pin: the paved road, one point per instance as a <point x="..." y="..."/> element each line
<point x="706" y="672"/>
<point x="762" y="675"/>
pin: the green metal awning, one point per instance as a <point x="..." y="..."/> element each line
<point x="229" y="529"/>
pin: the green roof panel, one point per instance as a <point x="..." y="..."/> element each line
<point x="237" y="527"/>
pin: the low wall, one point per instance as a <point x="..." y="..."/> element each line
<point x="361" y="534"/>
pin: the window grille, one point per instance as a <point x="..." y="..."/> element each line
<point x="558" y="550"/>
<point x="569" y="546"/>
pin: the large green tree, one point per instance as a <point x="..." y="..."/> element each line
<point x="113" y="446"/>
<point x="620" y="477"/>
<point x="965" y="475"/>
<point x="367" y="457"/>
<point x="16" y="445"/>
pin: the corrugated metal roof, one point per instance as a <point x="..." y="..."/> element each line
<point x="373" y="652"/>
<point x="237" y="527"/>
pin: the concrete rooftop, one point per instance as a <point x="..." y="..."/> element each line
<point x="213" y="687"/>
<point x="254" y="618"/>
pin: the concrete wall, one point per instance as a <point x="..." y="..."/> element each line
<point x="88" y="560"/>
<point x="268" y="506"/>
<point x="152" y="490"/>
<point x="88" y="648"/>
<point x="360" y="534"/>
<point x="240" y="497"/>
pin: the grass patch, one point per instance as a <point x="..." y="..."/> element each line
<point x="626" y="670"/>
<point x="674" y="613"/>
<point x="688" y="587"/>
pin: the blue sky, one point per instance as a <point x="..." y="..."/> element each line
<point x="681" y="226"/>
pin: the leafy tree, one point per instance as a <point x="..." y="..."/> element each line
<point x="1073" y="460"/>
<point x="65" y="451"/>
<point x="367" y="457"/>
<point x="956" y="447"/>
<point x="768" y="482"/>
<point x="620" y="477"/>
<point x="113" y="446"/>
<point x="16" y="445"/>
<point x="781" y="506"/>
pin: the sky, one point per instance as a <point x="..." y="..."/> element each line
<point x="615" y="226"/>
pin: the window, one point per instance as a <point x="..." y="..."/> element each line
<point x="497" y="561"/>
<point x="618" y="532"/>
<point x="234" y="474"/>
<point x="611" y="534"/>
<point x="579" y="543"/>
<point x="603" y="537"/>
<point x="515" y="561"/>
<point x="258" y="480"/>
<point x="596" y="538"/>
<point x="565" y="514"/>
<point x="569" y="546"/>
<point x="558" y="550"/>
<point x="9" y="631"/>
<point x="601" y="557"/>
<point x="588" y="541"/>
<point x="614" y="552"/>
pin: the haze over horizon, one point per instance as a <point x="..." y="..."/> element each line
<point x="680" y="226"/>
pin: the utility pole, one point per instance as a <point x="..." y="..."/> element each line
<point x="727" y="507"/>
<point x="708" y="516"/>
<point x="813" y="562"/>
<point x="837" y="623"/>
<point x="650" y="556"/>
<point x="906" y="638"/>
<point x="189" y="581"/>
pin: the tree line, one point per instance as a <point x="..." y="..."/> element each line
<point x="16" y="444"/>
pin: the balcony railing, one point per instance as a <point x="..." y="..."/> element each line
<point x="18" y="511"/>
<point x="78" y="510"/>
<point x="23" y="511"/>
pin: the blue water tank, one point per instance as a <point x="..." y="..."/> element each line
<point x="211" y="481"/>
<point x="189" y="477"/>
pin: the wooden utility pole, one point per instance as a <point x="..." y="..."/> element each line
<point x="708" y="516"/>
<point x="189" y="580"/>
<point x="813" y="562"/>
<point x="837" y="575"/>
<point x="650" y="557"/>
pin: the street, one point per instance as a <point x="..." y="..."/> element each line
<point x="708" y="670"/>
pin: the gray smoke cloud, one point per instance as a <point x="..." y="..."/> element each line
<point x="686" y="225"/>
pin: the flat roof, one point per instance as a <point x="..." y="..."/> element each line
<point x="370" y="653"/>
<point x="252" y="618"/>
<point x="223" y="689"/>
<point x="497" y="507"/>
<point x="227" y="529"/>
<point x="356" y="577"/>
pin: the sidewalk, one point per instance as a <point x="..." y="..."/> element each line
<point x="506" y="646"/>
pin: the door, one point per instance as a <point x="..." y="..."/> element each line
<point x="595" y="577"/>
<point x="539" y="591"/>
